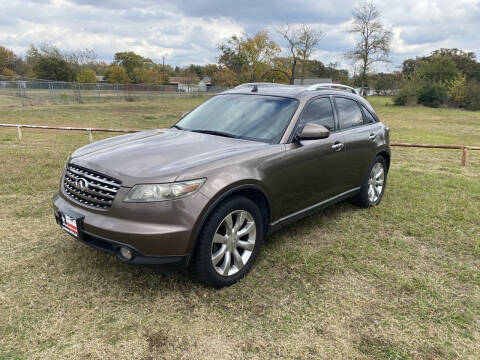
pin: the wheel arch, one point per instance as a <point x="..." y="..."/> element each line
<point x="251" y="191"/>
<point x="386" y="155"/>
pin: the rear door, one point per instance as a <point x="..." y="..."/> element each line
<point x="361" y="133"/>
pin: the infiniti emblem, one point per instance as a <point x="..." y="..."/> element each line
<point x="82" y="184"/>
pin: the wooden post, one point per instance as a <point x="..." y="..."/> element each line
<point x="90" y="136"/>
<point x="19" y="133"/>
<point x="464" y="156"/>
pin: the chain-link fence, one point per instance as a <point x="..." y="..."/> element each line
<point x="33" y="92"/>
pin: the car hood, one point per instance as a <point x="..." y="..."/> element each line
<point x="158" y="155"/>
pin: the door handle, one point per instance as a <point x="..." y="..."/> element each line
<point x="338" y="146"/>
<point x="372" y="136"/>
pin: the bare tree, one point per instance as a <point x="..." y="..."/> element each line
<point x="309" y="37"/>
<point x="373" y="39"/>
<point x="302" y="41"/>
<point x="290" y="33"/>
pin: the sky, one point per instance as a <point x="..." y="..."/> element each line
<point x="188" y="32"/>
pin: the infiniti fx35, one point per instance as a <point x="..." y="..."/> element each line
<point x="204" y="193"/>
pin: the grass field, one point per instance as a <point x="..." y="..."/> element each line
<point x="399" y="281"/>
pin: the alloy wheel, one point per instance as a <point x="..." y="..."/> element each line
<point x="376" y="182"/>
<point x="233" y="242"/>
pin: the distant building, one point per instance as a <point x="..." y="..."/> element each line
<point x="100" y="79"/>
<point x="312" y="81"/>
<point x="205" y="83"/>
<point x="185" y="84"/>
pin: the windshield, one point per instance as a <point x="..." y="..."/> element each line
<point x="253" y="117"/>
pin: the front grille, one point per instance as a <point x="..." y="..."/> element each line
<point x="89" y="187"/>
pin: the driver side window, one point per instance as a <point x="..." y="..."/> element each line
<point x="318" y="111"/>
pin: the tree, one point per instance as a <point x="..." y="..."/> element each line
<point x="309" y="37"/>
<point x="87" y="76"/>
<point x="224" y="77"/>
<point x="116" y="75"/>
<point x="259" y="51"/>
<point x="153" y="76"/>
<point x="130" y="61"/>
<point x="209" y="69"/>
<point x="7" y="59"/>
<point x="464" y="60"/>
<point x="290" y="34"/>
<point x="249" y="57"/>
<point x="49" y="63"/>
<point x="457" y="90"/>
<point x="385" y="82"/>
<point x="373" y="39"/>
<point x="7" y="72"/>
<point x="437" y="69"/>
<point x="409" y="66"/>
<point x="197" y="69"/>
<point x="232" y="55"/>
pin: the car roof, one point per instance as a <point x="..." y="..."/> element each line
<point x="298" y="92"/>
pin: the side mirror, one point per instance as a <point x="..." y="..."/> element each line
<point x="184" y="114"/>
<point x="312" y="131"/>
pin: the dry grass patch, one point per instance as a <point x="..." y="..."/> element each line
<point x="399" y="281"/>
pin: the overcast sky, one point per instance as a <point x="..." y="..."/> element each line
<point x="189" y="31"/>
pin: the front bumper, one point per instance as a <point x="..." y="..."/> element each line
<point x="160" y="233"/>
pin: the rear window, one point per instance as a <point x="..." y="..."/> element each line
<point x="368" y="116"/>
<point x="349" y="114"/>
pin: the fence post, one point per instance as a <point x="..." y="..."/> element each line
<point x="19" y="133"/>
<point x="90" y="135"/>
<point x="464" y="156"/>
<point x="50" y="87"/>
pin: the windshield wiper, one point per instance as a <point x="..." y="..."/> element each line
<point x="178" y="127"/>
<point x="215" y="132"/>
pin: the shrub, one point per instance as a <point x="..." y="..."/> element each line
<point x="472" y="97"/>
<point x="407" y="95"/>
<point x="7" y="72"/>
<point x="87" y="76"/>
<point x="457" y="90"/>
<point x="116" y="74"/>
<point x="432" y="94"/>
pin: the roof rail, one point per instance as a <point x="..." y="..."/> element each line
<point x="332" y="86"/>
<point x="263" y="84"/>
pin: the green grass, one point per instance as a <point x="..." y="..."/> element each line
<point x="399" y="281"/>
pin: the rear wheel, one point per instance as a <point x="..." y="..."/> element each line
<point x="373" y="186"/>
<point x="229" y="243"/>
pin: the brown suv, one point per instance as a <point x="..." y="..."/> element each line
<point x="204" y="193"/>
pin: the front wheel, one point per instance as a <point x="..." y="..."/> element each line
<point x="229" y="243"/>
<point x="373" y="186"/>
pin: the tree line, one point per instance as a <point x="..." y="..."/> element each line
<point x="447" y="77"/>
<point x="244" y="58"/>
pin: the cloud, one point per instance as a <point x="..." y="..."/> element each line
<point x="189" y="31"/>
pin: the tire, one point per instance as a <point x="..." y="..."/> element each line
<point x="222" y="255"/>
<point x="371" y="183"/>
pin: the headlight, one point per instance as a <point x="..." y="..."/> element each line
<point x="162" y="192"/>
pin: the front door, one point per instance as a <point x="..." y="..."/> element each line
<point x="312" y="170"/>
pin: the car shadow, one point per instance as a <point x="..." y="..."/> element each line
<point x="93" y="264"/>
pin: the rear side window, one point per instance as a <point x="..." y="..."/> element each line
<point x="349" y="114"/>
<point x="318" y="111"/>
<point x="368" y="116"/>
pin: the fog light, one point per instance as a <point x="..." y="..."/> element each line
<point x="126" y="253"/>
